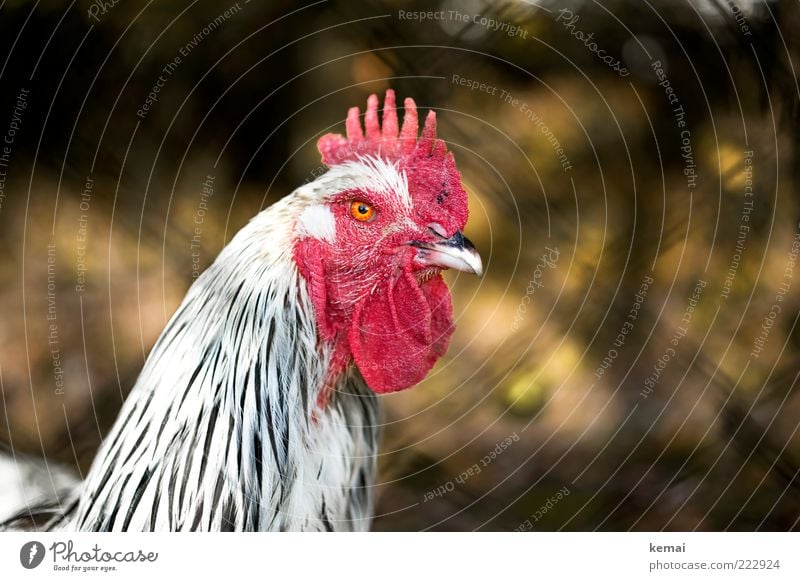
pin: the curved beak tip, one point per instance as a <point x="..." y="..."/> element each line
<point x="477" y="268"/>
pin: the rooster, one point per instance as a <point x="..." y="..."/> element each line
<point x="257" y="408"/>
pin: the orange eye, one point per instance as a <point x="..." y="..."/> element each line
<point x="362" y="211"/>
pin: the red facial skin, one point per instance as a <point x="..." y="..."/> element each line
<point x="374" y="303"/>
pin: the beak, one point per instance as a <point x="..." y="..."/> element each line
<point x="456" y="252"/>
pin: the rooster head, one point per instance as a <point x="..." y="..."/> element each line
<point x="374" y="233"/>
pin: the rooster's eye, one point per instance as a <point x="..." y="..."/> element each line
<point x="362" y="211"/>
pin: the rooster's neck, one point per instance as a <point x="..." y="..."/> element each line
<point x="222" y="429"/>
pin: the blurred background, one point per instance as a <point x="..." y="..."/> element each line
<point x="630" y="359"/>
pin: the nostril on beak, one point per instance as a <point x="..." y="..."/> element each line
<point x="438" y="229"/>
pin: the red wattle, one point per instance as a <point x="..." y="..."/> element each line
<point x="399" y="332"/>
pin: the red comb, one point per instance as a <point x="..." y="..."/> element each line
<point x="433" y="180"/>
<point x="382" y="140"/>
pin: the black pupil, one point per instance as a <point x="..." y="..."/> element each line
<point x="362" y="209"/>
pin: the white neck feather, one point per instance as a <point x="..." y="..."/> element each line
<point x="220" y="431"/>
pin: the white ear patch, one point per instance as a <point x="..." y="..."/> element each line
<point x="317" y="221"/>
